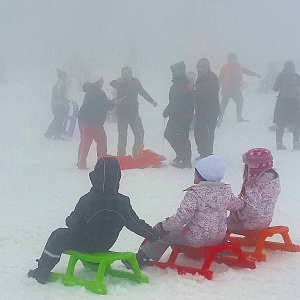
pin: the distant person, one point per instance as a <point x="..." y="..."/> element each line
<point x="230" y="80"/>
<point x="180" y="111"/>
<point x="128" y="88"/>
<point x="207" y="108"/>
<point x="91" y="118"/>
<point x="96" y="221"/>
<point x="60" y="107"/>
<point x="200" y="220"/>
<point x="287" y="108"/>
<point x="259" y="193"/>
<point x="266" y="84"/>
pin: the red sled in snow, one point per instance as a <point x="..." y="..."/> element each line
<point x="145" y="158"/>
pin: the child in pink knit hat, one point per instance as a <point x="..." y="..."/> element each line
<point x="260" y="189"/>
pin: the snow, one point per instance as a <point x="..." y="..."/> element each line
<point x="41" y="185"/>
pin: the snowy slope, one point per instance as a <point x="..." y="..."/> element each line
<point x="40" y="186"/>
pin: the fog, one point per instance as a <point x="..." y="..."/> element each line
<point x="150" y="34"/>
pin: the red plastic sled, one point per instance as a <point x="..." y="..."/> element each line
<point x="145" y="158"/>
<point x="209" y="254"/>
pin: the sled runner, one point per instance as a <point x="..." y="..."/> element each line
<point x="257" y="239"/>
<point x="101" y="263"/>
<point x="71" y="120"/>
<point x="237" y="258"/>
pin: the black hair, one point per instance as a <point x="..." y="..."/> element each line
<point x="199" y="175"/>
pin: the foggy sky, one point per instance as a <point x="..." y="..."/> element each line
<point x="161" y="31"/>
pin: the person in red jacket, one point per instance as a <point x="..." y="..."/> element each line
<point x="230" y="80"/>
<point x="91" y="118"/>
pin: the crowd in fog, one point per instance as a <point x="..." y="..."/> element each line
<point x="193" y="102"/>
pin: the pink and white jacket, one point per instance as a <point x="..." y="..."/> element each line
<point x="202" y="213"/>
<point x="260" y="199"/>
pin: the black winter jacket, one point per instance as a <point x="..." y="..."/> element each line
<point x="207" y="105"/>
<point x="287" y="109"/>
<point x="100" y="215"/>
<point x="181" y="101"/>
<point x="130" y="89"/>
<point x="95" y="106"/>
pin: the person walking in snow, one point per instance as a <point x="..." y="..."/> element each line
<point x="96" y="221"/>
<point x="287" y="108"/>
<point x="180" y="112"/>
<point x="230" y="80"/>
<point x="207" y="108"/>
<point x="266" y="84"/>
<point x="259" y="193"/>
<point x="91" y="118"/>
<point x="60" y="107"/>
<point x="128" y="88"/>
<point x="201" y="218"/>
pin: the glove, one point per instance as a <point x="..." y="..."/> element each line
<point x="160" y="230"/>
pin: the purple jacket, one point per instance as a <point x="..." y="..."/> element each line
<point x="260" y="199"/>
<point x="202" y="213"/>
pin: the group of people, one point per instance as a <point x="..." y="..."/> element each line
<point x="201" y="220"/>
<point x="189" y="99"/>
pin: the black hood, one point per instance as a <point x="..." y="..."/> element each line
<point x="106" y="176"/>
<point x="89" y="87"/>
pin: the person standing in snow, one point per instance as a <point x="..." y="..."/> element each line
<point x="266" y="84"/>
<point x="201" y="218"/>
<point x="207" y="108"/>
<point x="91" y="118"/>
<point x="96" y="221"/>
<point x="287" y="108"/>
<point x="128" y="88"/>
<point x="180" y="112"/>
<point x="60" y="107"/>
<point x="230" y="80"/>
<point x="259" y="193"/>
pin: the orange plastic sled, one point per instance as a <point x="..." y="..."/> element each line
<point x="257" y="239"/>
<point x="145" y="158"/>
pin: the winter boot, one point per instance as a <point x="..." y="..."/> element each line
<point x="183" y="165"/>
<point x="296" y="146"/>
<point x="42" y="273"/>
<point x="240" y="119"/>
<point x="175" y="161"/>
<point x="280" y="146"/>
<point x="141" y="258"/>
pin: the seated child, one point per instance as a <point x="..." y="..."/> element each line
<point x="96" y="221"/>
<point x="259" y="193"/>
<point x="201" y="218"/>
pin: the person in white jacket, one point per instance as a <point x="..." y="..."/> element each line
<point x="201" y="218"/>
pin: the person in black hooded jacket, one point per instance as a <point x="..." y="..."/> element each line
<point x="207" y="108"/>
<point x="91" y="118"/>
<point x="180" y="112"/>
<point x="96" y="221"/>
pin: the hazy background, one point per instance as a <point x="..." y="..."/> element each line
<point x="149" y="34"/>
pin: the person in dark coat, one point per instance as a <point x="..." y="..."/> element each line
<point x="207" y="108"/>
<point x="60" y="107"/>
<point x="128" y="88"/>
<point x="230" y="80"/>
<point x="96" y="221"/>
<point x="180" y="111"/>
<point x="287" y="108"/>
<point x="91" y="118"/>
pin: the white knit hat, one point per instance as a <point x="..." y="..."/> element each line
<point x="211" y="168"/>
